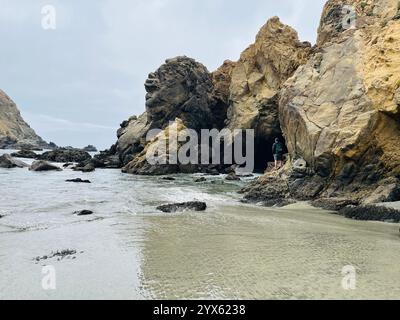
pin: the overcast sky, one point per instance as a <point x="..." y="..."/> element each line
<point x="74" y="85"/>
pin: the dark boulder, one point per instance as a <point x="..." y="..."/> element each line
<point x="333" y="204"/>
<point x="107" y="159"/>
<point x="185" y="206"/>
<point x="232" y="177"/>
<point x="65" y="155"/>
<point x="83" y="213"/>
<point x="168" y="178"/>
<point x="371" y="213"/>
<point x="28" y="154"/>
<point x="42" y="165"/>
<point x="78" y="180"/>
<point x="88" y="167"/>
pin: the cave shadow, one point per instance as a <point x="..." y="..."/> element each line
<point x="263" y="152"/>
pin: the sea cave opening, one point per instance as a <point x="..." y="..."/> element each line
<point x="263" y="151"/>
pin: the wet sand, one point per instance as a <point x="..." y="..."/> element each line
<point x="128" y="250"/>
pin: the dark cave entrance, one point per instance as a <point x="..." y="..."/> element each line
<point x="263" y="151"/>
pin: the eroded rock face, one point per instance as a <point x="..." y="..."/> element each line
<point x="181" y="88"/>
<point x="156" y="157"/>
<point x="259" y="74"/>
<point x="338" y="21"/>
<point x="15" y="133"/>
<point x="339" y="112"/>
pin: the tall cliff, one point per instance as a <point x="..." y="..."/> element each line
<point x="14" y="131"/>
<point x="340" y="112"/>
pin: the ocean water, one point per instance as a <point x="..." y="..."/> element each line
<point x="128" y="250"/>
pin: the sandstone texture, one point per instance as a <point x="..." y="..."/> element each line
<point x="258" y="76"/>
<point x="339" y="112"/>
<point x="238" y="95"/>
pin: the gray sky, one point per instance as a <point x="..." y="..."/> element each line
<point x="74" y="85"/>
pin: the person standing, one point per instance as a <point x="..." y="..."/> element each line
<point x="277" y="151"/>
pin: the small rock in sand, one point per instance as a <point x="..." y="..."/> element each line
<point x="168" y="178"/>
<point x="68" y="164"/>
<point x="185" y="206"/>
<point x="232" y="177"/>
<point x="78" y="180"/>
<point x="83" y="213"/>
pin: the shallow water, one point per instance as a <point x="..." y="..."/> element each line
<point x="128" y="250"/>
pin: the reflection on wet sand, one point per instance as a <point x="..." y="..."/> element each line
<point x="255" y="253"/>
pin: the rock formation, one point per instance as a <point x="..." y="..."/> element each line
<point x="238" y="95"/>
<point x="340" y="111"/>
<point x="15" y="133"/>
<point x="90" y="148"/>
<point x="257" y="79"/>
<point x="42" y="165"/>
<point x="28" y="154"/>
<point x="181" y="90"/>
<point x="336" y="105"/>
<point x="181" y="207"/>
<point x="65" y="155"/>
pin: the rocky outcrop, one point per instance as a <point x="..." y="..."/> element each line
<point x="256" y="82"/>
<point x="181" y="88"/>
<point x="90" y="148"/>
<point x="339" y="112"/>
<point x="15" y="133"/>
<point x="28" y="154"/>
<point x="8" y="162"/>
<point x="335" y="105"/>
<point x="238" y="95"/>
<point x="42" y="165"/>
<point x="259" y="74"/>
<point x="66" y="155"/>
<point x="156" y="158"/>
<point x="84" y="167"/>
<point x="183" y="92"/>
